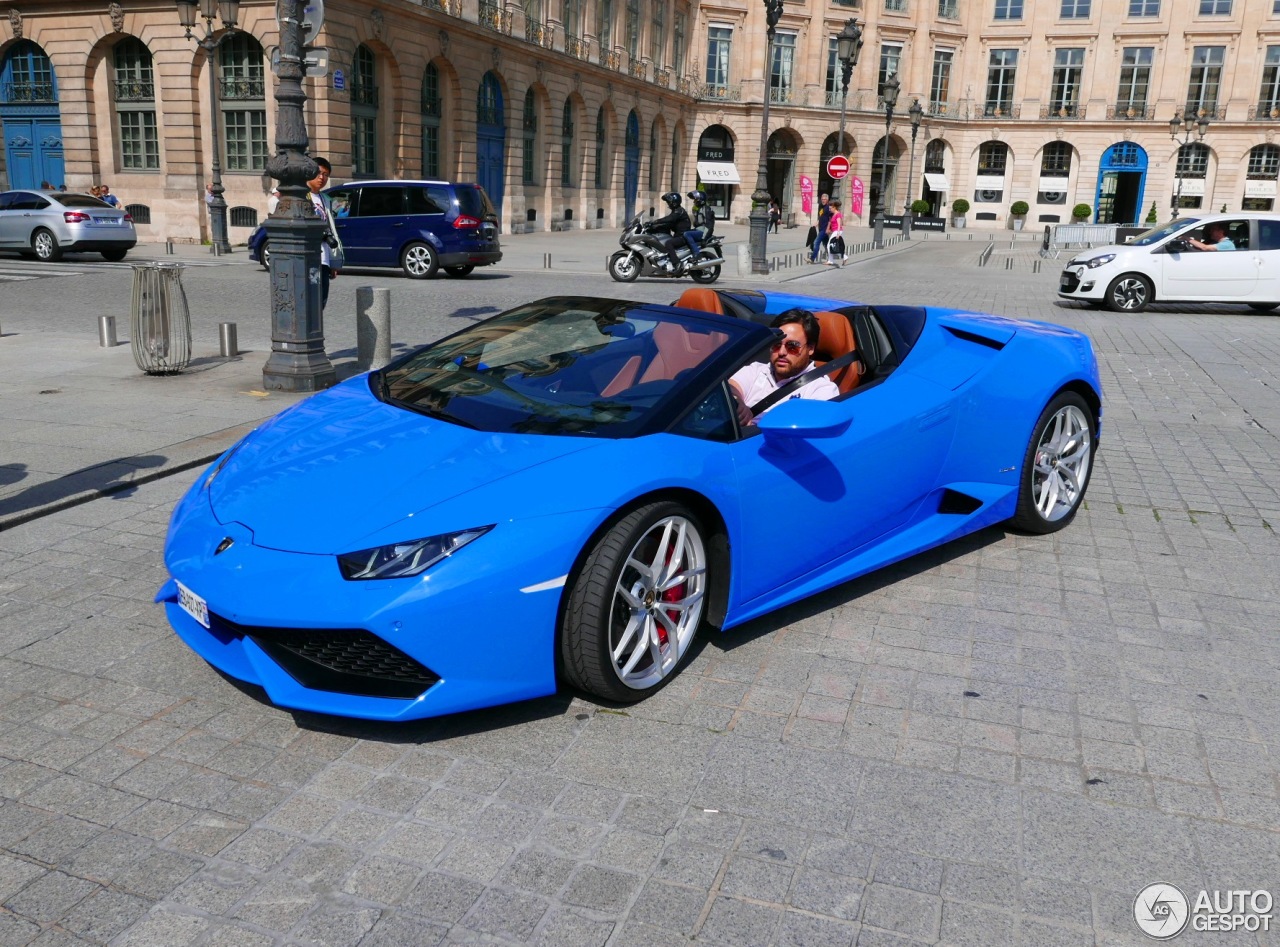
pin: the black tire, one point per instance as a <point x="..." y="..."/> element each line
<point x="625" y="266"/>
<point x="264" y="254"/>
<point x="706" y="276"/>
<point x="1049" y="467"/>
<point x="45" y="246"/>
<point x="1130" y="292"/>
<point x="114" y="256"/>
<point x="419" y="260"/>
<point x="458" y="272"/>
<point x="610" y="606"/>
<point x="1263" y="307"/>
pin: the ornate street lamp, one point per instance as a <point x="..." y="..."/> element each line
<point x="848" y="47"/>
<point x="759" y="216"/>
<point x="916" y="113"/>
<point x="890" y="96"/>
<point x="298" y="361"/>
<point x="228" y="11"/>
<point x="1180" y="130"/>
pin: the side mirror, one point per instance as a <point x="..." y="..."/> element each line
<point x="1177" y="246"/>
<point x="806" y="418"/>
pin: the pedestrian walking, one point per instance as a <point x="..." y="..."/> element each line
<point x="835" y="236"/>
<point x="824" y="218"/>
<point x="331" y="253"/>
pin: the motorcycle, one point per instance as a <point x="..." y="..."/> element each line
<point x="641" y="256"/>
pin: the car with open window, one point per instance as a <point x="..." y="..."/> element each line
<point x="1163" y="266"/>
<point x="566" y="493"/>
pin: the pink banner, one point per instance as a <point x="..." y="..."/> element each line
<point x="806" y="193"/>
<point x="856" y="192"/>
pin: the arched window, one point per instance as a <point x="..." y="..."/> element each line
<point x="566" y="144"/>
<point x="28" y="75"/>
<point x="432" y="113"/>
<point x="530" y="137"/>
<point x="364" y="114"/>
<point x="1193" y="160"/>
<point x="935" y="157"/>
<point x="1264" y="166"/>
<point x="133" y="90"/>
<point x="242" y="90"/>
<point x="992" y="157"/>
<point x="1056" y="160"/>
<point x="600" y="146"/>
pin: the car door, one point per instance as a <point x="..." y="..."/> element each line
<point x="812" y="501"/>
<point x="1211" y="275"/>
<point x="1267" y="241"/>
<point x="426" y="205"/>
<point x="7" y="219"/>
<point x="373" y="228"/>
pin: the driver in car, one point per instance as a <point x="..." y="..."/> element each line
<point x="1215" y="238"/>
<point x="789" y="357"/>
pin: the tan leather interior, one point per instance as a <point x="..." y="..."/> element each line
<point x="835" y="338"/>
<point x="679" y="348"/>
<point x="701" y="299"/>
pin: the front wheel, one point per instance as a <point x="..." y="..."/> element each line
<point x="624" y="266"/>
<point x="1131" y="292"/>
<point x="419" y="261"/>
<point x="264" y="254"/>
<point x="709" y="275"/>
<point x="45" y="245"/>
<point x="635" y="607"/>
<point x="458" y="272"/>
<point x="1056" y="466"/>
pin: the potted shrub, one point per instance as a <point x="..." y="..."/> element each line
<point x="1152" y="217"/>
<point x="1081" y="213"/>
<point x="1019" y="211"/>
<point x="921" y="207"/>
<point x="959" y="207"/>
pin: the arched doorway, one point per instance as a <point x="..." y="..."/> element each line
<point x="1122" y="179"/>
<point x="831" y="148"/>
<point x="491" y="139"/>
<point x="631" y="166"/>
<point x="29" y="113"/>
<point x="936" y="185"/>
<point x="886" y="170"/>
<point x="781" y="152"/>
<point x="715" y="155"/>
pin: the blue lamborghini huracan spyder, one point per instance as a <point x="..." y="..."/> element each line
<point x="565" y="494"/>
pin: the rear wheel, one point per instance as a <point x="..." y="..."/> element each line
<point x="635" y="607"/>
<point x="1131" y="292"/>
<point x="114" y="256"/>
<point x="624" y="266"/>
<point x="1263" y="307"/>
<point x="45" y="245"/>
<point x="458" y="272"/>
<point x="710" y="274"/>
<point x="1056" y="466"/>
<point x="419" y="261"/>
<point x="264" y="254"/>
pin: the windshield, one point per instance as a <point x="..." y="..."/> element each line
<point x="564" y="365"/>
<point x="1160" y="231"/>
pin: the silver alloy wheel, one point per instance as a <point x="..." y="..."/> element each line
<point x="1130" y="292"/>
<point x="44" y="244"/>
<point x="657" y="602"/>
<point x="1061" y="463"/>
<point x="419" y="261"/>
<point x="624" y="267"/>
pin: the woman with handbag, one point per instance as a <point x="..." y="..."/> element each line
<point x="835" y="236"/>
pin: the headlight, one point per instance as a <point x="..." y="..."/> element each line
<point x="208" y="481"/>
<point x="1098" y="261"/>
<point x="401" y="560"/>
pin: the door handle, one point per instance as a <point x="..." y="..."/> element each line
<point x="401" y="224"/>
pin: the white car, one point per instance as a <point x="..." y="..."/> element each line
<point x="1162" y="266"/>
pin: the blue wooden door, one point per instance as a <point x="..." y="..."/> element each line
<point x="631" y="169"/>
<point x="29" y="113"/>
<point x="491" y="140"/>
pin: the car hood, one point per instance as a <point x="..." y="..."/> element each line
<point x="342" y="466"/>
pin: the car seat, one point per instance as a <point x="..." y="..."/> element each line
<point x="679" y="348"/>
<point x="835" y="338"/>
<point x="701" y="299"/>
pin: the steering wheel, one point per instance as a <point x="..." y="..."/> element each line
<point x="848" y="358"/>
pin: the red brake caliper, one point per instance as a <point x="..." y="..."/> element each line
<point x="673" y="594"/>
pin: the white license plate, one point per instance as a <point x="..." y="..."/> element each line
<point x="107" y="220"/>
<point x="193" y="605"/>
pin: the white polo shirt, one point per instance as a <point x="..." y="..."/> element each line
<point x="757" y="382"/>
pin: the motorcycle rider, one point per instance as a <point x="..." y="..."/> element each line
<point x="704" y="224"/>
<point x="675" y="224"/>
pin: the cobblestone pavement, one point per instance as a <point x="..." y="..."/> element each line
<point x="998" y="743"/>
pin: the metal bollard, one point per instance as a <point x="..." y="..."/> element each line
<point x="373" y="327"/>
<point x="107" y="331"/>
<point x="168" y="247"/>
<point x="227" y="344"/>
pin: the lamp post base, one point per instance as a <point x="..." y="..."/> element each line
<point x="906" y="225"/>
<point x="298" y="361"/>
<point x="759" y="235"/>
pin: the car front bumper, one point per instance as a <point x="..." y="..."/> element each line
<point x="1080" y="282"/>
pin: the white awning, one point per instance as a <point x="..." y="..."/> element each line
<point x="718" y="172"/>
<point x="936" y="182"/>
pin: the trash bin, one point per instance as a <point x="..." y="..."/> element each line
<point x="160" y="323"/>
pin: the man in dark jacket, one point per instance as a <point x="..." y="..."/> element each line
<point x="824" y="218"/>
<point x="674" y="224"/>
<point x="704" y="224"/>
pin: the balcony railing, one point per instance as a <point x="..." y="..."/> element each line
<point x="27" y="92"/>
<point x="638" y="69"/>
<point x="611" y="59"/>
<point x="662" y="77"/>
<point x="948" y="10"/>
<point x="232" y="90"/>
<point x="833" y="98"/>
<point x="364" y="95"/>
<point x="941" y="108"/>
<point x="1131" y="111"/>
<point x="129" y="90"/>
<point x="782" y="96"/>
<point x="895" y="6"/>
<point x="1264" y="112"/>
<point x="722" y="93"/>
<point x="577" y="47"/>
<point x="848" y="4"/>
<point x="687" y="85"/>
<point x="1001" y="110"/>
<point x="539" y="33"/>
<point x="493" y="16"/>
<point x="1215" y="112"/>
<point x="451" y="7"/>
<point x="1064" y="110"/>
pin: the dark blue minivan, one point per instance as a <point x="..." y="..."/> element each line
<point x="419" y="226"/>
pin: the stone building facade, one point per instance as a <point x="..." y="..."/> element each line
<point x="578" y="113"/>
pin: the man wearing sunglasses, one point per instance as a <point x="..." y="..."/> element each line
<point x="789" y="356"/>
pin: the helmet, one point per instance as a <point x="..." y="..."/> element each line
<point x="697" y="197"/>
<point x="672" y="199"/>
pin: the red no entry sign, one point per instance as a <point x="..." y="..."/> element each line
<point x="838" y="167"/>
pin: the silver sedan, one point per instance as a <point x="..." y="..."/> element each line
<point x="46" y="224"/>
